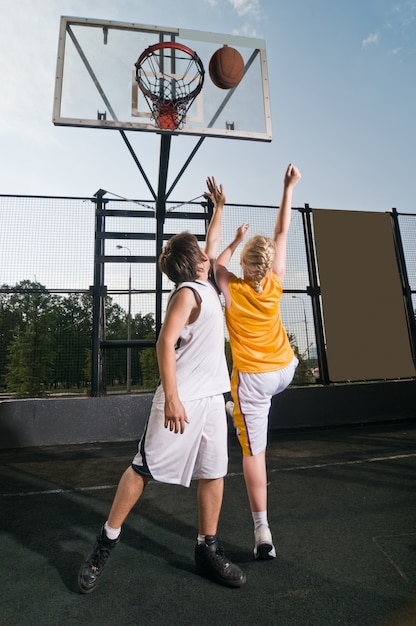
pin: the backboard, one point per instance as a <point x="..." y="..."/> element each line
<point x="96" y="85"/>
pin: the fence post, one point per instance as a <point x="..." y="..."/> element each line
<point x="99" y="293"/>
<point x="314" y="292"/>
<point x="407" y="292"/>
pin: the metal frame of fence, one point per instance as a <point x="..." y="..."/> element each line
<point x="106" y="209"/>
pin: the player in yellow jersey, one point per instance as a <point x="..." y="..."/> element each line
<point x="263" y="359"/>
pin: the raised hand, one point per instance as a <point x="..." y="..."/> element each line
<point x="215" y="193"/>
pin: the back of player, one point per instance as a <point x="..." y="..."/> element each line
<point x="263" y="359"/>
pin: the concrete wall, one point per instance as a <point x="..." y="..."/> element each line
<point x="335" y="405"/>
<point x="43" y="422"/>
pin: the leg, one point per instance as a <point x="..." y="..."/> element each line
<point x="210" y="559"/>
<point x="129" y="490"/>
<point x="252" y="394"/>
<point x="212" y="460"/>
<point x="255" y="476"/>
<point x="210" y="494"/>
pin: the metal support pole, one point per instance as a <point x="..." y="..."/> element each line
<point x="129" y="336"/>
<point x="160" y="221"/>
<point x="98" y="295"/>
<point x="128" y="363"/>
<point x="314" y="292"/>
<point x="306" y="328"/>
<point x="407" y="292"/>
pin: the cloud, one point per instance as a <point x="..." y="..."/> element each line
<point x="397" y="29"/>
<point x="247" y="8"/>
<point x="372" y="39"/>
<point x="249" y="12"/>
<point x="405" y="13"/>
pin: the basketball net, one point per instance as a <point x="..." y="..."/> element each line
<point x="169" y="95"/>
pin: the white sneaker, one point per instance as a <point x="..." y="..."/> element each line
<point x="264" y="548"/>
<point x="229" y="407"/>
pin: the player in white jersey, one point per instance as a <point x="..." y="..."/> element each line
<point x="186" y="433"/>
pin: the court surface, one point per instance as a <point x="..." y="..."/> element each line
<point x="342" y="508"/>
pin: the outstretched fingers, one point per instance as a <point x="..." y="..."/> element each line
<point x="215" y="192"/>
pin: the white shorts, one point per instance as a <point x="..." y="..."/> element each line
<point x="199" y="452"/>
<point x="252" y="395"/>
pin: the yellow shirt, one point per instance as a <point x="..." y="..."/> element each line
<point x="259" y="342"/>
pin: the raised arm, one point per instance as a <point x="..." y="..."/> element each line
<point x="222" y="275"/>
<point x="213" y="238"/>
<point x="283" y="218"/>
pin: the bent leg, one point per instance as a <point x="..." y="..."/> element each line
<point x="129" y="490"/>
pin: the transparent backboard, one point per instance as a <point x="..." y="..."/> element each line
<point x="96" y="84"/>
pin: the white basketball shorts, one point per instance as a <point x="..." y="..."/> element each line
<point x="199" y="452"/>
<point x="252" y="395"/>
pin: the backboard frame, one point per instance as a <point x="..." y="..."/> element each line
<point x="254" y="51"/>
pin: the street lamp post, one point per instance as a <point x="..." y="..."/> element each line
<point x="128" y="364"/>
<point x="306" y="328"/>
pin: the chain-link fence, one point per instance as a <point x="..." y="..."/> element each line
<point x="46" y="289"/>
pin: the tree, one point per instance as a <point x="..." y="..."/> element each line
<point x="149" y="368"/>
<point x="302" y="373"/>
<point x="72" y="340"/>
<point x="46" y="342"/>
<point x="30" y="357"/>
<point x="9" y="321"/>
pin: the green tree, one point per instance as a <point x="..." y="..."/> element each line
<point x="9" y="320"/>
<point x="144" y="369"/>
<point x="146" y="364"/>
<point x="72" y="341"/>
<point x="149" y="368"/>
<point x="115" y="328"/>
<point x="30" y="356"/>
<point x="302" y="374"/>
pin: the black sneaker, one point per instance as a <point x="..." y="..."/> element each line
<point x="92" y="569"/>
<point x="211" y="561"/>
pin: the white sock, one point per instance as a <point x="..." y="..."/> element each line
<point x="260" y="519"/>
<point x="200" y="539"/>
<point x="112" y="533"/>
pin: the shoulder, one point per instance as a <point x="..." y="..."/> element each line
<point x="201" y="289"/>
<point x="236" y="283"/>
<point x="186" y="294"/>
<point x="275" y="278"/>
<point x="273" y="282"/>
<point x="199" y="286"/>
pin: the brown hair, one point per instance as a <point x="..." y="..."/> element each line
<point x="257" y="259"/>
<point x="181" y="257"/>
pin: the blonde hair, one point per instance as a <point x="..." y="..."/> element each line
<point x="257" y="259"/>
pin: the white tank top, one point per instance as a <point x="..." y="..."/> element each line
<point x="201" y="367"/>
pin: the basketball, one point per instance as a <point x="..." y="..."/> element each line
<point x="226" y="67"/>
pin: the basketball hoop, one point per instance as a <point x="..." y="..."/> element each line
<point x="169" y="94"/>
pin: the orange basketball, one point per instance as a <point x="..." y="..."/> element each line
<point x="226" y="67"/>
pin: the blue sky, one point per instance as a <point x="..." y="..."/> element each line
<point x="343" y="92"/>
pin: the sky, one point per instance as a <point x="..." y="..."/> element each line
<point x="342" y="85"/>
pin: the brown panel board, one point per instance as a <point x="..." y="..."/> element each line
<point x="365" y="323"/>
